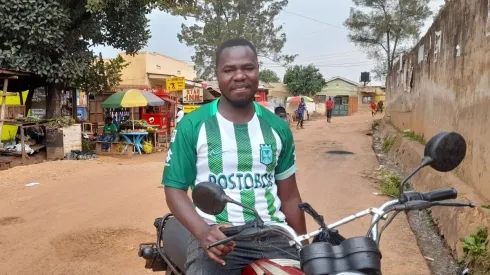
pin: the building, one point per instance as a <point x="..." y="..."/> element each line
<point x="369" y="94"/>
<point x="345" y="94"/>
<point x="150" y="69"/>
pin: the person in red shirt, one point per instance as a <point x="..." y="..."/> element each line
<point x="329" y="105"/>
<point x="373" y="108"/>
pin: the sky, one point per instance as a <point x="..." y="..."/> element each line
<point x="314" y="30"/>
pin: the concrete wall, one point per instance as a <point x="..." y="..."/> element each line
<point x="453" y="222"/>
<point x="444" y="84"/>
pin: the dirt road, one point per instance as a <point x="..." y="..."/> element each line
<point x="87" y="217"/>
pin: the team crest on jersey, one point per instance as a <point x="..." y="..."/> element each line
<point x="266" y="157"/>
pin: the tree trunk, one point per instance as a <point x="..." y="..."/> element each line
<point x="53" y="101"/>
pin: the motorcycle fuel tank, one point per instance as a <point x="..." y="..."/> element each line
<point x="273" y="267"/>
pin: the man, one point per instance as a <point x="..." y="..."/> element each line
<point x="235" y="143"/>
<point x="373" y="108"/>
<point x="380" y="106"/>
<point x="180" y="115"/>
<point x="109" y="134"/>
<point x="301" y="113"/>
<point x="329" y="105"/>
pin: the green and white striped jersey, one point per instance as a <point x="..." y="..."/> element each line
<point x="244" y="159"/>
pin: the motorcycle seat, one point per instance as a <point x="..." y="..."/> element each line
<point x="175" y="241"/>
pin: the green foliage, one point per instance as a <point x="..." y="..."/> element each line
<point x="376" y="123"/>
<point x="60" y="122"/>
<point x="51" y="38"/>
<point x="304" y="80"/>
<point x="384" y="28"/>
<point x="103" y="76"/>
<point x="388" y="143"/>
<point x="390" y="183"/>
<point x="475" y="251"/>
<point x="219" y="20"/>
<point x="87" y="146"/>
<point x="268" y="76"/>
<point x="415" y="137"/>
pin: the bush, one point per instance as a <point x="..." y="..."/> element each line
<point x="476" y="255"/>
<point x="390" y="183"/>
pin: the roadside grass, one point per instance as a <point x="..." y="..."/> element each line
<point x="390" y="183"/>
<point x="415" y="137"/>
<point x="376" y="123"/>
<point x="476" y="254"/>
<point x="388" y="143"/>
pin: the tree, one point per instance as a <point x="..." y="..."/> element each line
<point x="51" y="38"/>
<point x="385" y="28"/>
<point x="102" y="76"/>
<point x="304" y="80"/>
<point x="219" y="20"/>
<point x="268" y="76"/>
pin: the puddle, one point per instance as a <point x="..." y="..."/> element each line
<point x="10" y="220"/>
<point x="339" y="152"/>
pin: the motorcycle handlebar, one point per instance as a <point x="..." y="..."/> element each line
<point x="431" y="196"/>
<point x="231" y="231"/>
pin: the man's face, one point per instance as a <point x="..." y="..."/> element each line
<point x="238" y="75"/>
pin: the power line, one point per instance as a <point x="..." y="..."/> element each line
<point x="312" y="19"/>
<point x="346" y="65"/>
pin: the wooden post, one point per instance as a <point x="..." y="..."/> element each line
<point x="22" y="144"/>
<point x="2" y="108"/>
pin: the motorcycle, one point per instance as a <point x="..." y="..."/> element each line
<point x="329" y="253"/>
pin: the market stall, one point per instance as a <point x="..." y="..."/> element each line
<point x="130" y="130"/>
<point x="27" y="144"/>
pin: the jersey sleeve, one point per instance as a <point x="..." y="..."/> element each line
<point x="180" y="166"/>
<point x="286" y="165"/>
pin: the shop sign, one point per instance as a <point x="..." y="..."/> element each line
<point x="190" y="108"/>
<point x="194" y="95"/>
<point x="175" y="84"/>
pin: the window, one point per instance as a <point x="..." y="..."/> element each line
<point x="367" y="99"/>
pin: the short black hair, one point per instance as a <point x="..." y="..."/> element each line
<point x="235" y="42"/>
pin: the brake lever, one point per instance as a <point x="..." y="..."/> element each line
<point x="222" y="241"/>
<point x="420" y="205"/>
<point x="455" y="204"/>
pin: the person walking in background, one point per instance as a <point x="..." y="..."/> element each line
<point x="380" y="106"/>
<point x="373" y="108"/>
<point x="329" y="105"/>
<point x="301" y="113"/>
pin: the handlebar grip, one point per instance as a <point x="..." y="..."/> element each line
<point x="440" y="195"/>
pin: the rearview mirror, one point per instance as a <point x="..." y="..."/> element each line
<point x="209" y="198"/>
<point x="446" y="151"/>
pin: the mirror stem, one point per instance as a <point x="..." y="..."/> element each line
<point x="425" y="161"/>
<point x="257" y="216"/>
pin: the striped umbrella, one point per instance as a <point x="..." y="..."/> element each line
<point x="297" y="99"/>
<point x="132" y="98"/>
